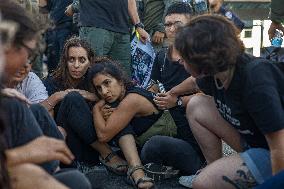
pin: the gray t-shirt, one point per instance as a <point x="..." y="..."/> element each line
<point x="111" y="15"/>
<point x="33" y="88"/>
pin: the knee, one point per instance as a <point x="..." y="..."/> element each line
<point x="200" y="184"/>
<point x="29" y="170"/>
<point x="195" y="104"/>
<point x="155" y="145"/>
<point x="73" y="98"/>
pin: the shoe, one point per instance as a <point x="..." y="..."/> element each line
<point x="160" y="172"/>
<point x="130" y="179"/>
<point x="187" y="180"/>
<point x="114" y="167"/>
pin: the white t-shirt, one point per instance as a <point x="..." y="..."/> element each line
<point x="33" y="88"/>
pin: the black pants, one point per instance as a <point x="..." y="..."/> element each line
<point x="172" y="152"/>
<point x="22" y="127"/>
<point x="75" y="116"/>
<point x="73" y="178"/>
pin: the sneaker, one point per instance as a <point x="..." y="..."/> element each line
<point x="187" y="180"/>
<point x="159" y="172"/>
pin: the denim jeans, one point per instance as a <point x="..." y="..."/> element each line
<point x="75" y="116"/>
<point x="108" y="43"/>
<point x="172" y="152"/>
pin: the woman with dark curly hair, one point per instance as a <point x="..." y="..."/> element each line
<point x="134" y="113"/>
<point x="71" y="99"/>
<point x="242" y="104"/>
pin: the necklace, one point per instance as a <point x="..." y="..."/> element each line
<point x="221" y="84"/>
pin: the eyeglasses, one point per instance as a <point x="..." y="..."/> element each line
<point x="32" y="53"/>
<point x="176" y="24"/>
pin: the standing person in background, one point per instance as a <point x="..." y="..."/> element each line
<point x="154" y="12"/>
<point x="63" y="26"/>
<point x="277" y="17"/>
<point x="105" y="26"/>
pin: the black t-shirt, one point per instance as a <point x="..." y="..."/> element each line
<point x="254" y="101"/>
<point x="106" y="14"/>
<point x="170" y="73"/>
<point x="56" y="10"/>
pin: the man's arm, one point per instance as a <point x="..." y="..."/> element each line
<point x="188" y="86"/>
<point x="40" y="150"/>
<point x="277" y="17"/>
<point x="276" y="145"/>
<point x="133" y="13"/>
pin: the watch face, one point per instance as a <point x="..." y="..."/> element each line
<point x="179" y="102"/>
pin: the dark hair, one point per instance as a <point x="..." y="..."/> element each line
<point x="179" y="8"/>
<point x="61" y="74"/>
<point x="26" y="28"/>
<point x="107" y="66"/>
<point x="210" y="43"/>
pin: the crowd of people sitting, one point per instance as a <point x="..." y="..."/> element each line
<point x="88" y="111"/>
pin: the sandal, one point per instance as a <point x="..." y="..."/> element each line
<point x="160" y="172"/>
<point x="115" y="168"/>
<point x="144" y="179"/>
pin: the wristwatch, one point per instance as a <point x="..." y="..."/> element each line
<point x="139" y="25"/>
<point x="179" y="101"/>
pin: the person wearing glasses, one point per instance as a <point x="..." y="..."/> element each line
<point x="29" y="84"/>
<point x="181" y="152"/>
<point x="26" y="147"/>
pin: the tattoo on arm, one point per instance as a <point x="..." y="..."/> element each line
<point x="242" y="180"/>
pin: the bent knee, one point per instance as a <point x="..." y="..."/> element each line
<point x="154" y="146"/>
<point x="27" y="170"/>
<point x="73" y="97"/>
<point x="197" y="103"/>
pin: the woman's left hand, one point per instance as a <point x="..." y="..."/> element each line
<point x="87" y="95"/>
<point x="107" y="111"/>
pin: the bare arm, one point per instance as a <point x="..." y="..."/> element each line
<point x="130" y="106"/>
<point x="40" y="150"/>
<point x="187" y="86"/>
<point x="276" y="144"/>
<point x="133" y="13"/>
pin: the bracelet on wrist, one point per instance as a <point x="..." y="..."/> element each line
<point x="52" y="106"/>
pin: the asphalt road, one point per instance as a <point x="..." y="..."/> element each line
<point x="102" y="179"/>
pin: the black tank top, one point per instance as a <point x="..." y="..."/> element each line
<point x="142" y="124"/>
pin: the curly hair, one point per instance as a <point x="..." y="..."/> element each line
<point x="210" y="43"/>
<point x="106" y="66"/>
<point x="61" y="74"/>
